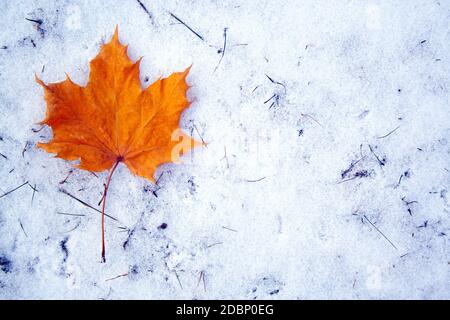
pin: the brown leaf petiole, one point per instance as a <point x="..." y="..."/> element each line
<point x="119" y="159"/>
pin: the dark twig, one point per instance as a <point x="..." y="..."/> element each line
<point x="183" y="23"/>
<point x="34" y="191"/>
<point x="11" y="191"/>
<point x="223" y="48"/>
<point x="25" y="148"/>
<point x="146" y="11"/>
<point x="345" y="172"/>
<point x="38" y="21"/>
<point x="198" y="132"/>
<point x="405" y="174"/>
<point x="358" y="174"/>
<point x="67" y="177"/>
<point x="178" y="278"/>
<point x="202" y="277"/>
<point x="381" y="162"/>
<point x="274" y="95"/>
<point x="116" y="277"/>
<point x="276" y="82"/>
<point x="86" y="204"/>
<point x="380" y="232"/>
<point x="255" y="89"/>
<point x="157" y="185"/>
<point x="70" y="214"/>
<point x="159" y="178"/>
<point x="37" y="130"/>
<point x="408" y="205"/>
<point x="23" y="229"/>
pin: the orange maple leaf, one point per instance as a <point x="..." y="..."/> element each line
<point x="112" y="120"/>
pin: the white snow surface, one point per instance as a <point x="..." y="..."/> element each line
<point x="335" y="188"/>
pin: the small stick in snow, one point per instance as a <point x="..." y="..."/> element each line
<point x="358" y="174"/>
<point x="25" y="148"/>
<point x="276" y="82"/>
<point x="404" y="174"/>
<point x="387" y="135"/>
<point x="23" y="229"/>
<point x="350" y="168"/>
<point x="380" y="232"/>
<point x="38" y="21"/>
<point x="93" y="173"/>
<point x="404" y="255"/>
<point x="255" y="89"/>
<point x="34" y="191"/>
<point x="274" y="95"/>
<point x="183" y="23"/>
<point x="11" y="191"/>
<point x="312" y="118"/>
<point x="214" y="244"/>
<point x="225" y="156"/>
<point x="157" y="185"/>
<point x="70" y="214"/>
<point x="399" y="181"/>
<point x="198" y="132"/>
<point x="74" y="228"/>
<point x="86" y="204"/>
<point x="223" y="48"/>
<point x="154" y="191"/>
<point x="131" y="232"/>
<point x="178" y="278"/>
<point x="202" y="277"/>
<point x="381" y="162"/>
<point x="408" y="204"/>
<point x="257" y="180"/>
<point x="146" y="11"/>
<point x="159" y="178"/>
<point x="103" y="196"/>
<point x="116" y="277"/>
<point x="229" y="229"/>
<point x="1" y="154"/>
<point x="67" y="177"/>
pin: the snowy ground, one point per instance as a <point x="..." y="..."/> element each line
<point x="328" y="180"/>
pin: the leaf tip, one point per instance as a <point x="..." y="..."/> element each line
<point x="116" y="34"/>
<point x="188" y="69"/>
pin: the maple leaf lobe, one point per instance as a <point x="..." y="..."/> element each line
<point x="112" y="119"/>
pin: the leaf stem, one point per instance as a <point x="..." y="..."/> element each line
<point x="103" y="207"/>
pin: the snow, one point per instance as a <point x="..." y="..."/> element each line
<point x="267" y="209"/>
